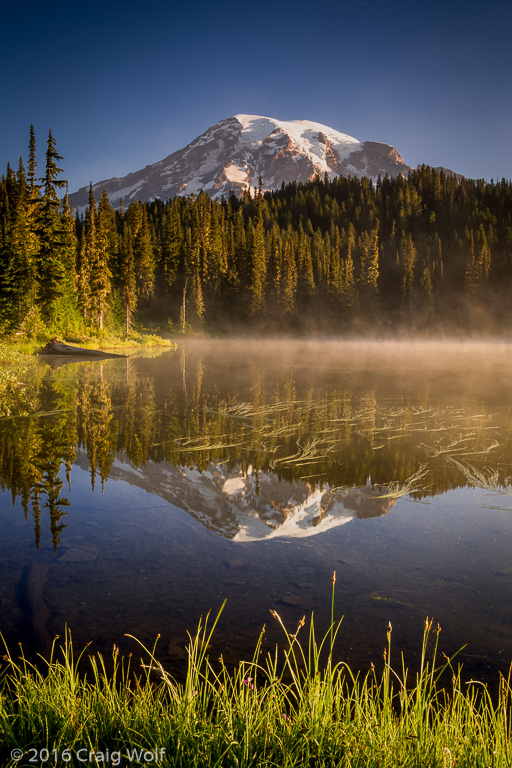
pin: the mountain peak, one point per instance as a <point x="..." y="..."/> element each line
<point x="295" y="128"/>
<point x="232" y="155"/>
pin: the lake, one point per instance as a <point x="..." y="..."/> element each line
<point x="138" y="494"/>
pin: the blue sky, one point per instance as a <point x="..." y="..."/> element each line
<point x="122" y="85"/>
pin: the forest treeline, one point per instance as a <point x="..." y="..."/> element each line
<point x="430" y="250"/>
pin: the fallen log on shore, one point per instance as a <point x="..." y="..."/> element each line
<point x="56" y="347"/>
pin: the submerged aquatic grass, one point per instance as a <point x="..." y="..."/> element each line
<point x="394" y="489"/>
<point x="486" y="478"/>
<point x="289" y="708"/>
<point x="318" y="439"/>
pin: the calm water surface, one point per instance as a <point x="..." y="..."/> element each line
<point x="139" y="494"/>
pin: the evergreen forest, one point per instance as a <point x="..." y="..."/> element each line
<point x="431" y="252"/>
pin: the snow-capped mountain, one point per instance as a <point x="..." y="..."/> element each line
<point x="233" y="155"/>
<point x="252" y="506"/>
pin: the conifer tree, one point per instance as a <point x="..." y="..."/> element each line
<point x="17" y="254"/>
<point x="258" y="268"/>
<point x="240" y="247"/>
<point x="305" y="277"/>
<point x="471" y="274"/>
<point x="88" y="257"/>
<point x="172" y="245"/>
<point x="349" y="282"/>
<point x="127" y="278"/>
<point x="144" y="257"/>
<point x="231" y="285"/>
<point x="407" y="260"/>
<point x="193" y="272"/>
<point x="483" y="255"/>
<point x="32" y="164"/>
<point x="336" y="277"/>
<point x="369" y="263"/>
<point x="201" y="233"/>
<point x="67" y="305"/>
<point x="104" y="252"/>
<point x="426" y="289"/>
<point x="274" y="269"/>
<point x="51" y="255"/>
<point x="218" y="250"/>
<point x="289" y="277"/>
<point x="197" y="295"/>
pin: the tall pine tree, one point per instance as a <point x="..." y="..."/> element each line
<point x="52" y="243"/>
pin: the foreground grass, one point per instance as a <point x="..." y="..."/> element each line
<point x="287" y="710"/>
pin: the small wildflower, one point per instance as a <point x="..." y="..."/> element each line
<point x="285" y="716"/>
<point x="249" y="683"/>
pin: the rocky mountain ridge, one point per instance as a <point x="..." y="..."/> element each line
<point x="235" y="154"/>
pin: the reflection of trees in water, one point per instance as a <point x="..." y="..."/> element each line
<point x="34" y="451"/>
<point x="94" y="425"/>
<point x="327" y="432"/>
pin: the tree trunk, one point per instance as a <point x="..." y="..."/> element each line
<point x="184" y="307"/>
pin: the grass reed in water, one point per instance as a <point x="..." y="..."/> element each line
<point x="290" y="708"/>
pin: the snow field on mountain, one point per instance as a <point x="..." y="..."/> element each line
<point x="232" y="155"/>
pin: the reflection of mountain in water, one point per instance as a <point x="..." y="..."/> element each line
<point x="269" y="438"/>
<point x="254" y="505"/>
